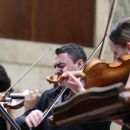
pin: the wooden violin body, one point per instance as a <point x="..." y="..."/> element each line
<point x="103" y="74"/>
<point x="100" y="104"/>
<point x="100" y="73"/>
<point x="14" y="101"/>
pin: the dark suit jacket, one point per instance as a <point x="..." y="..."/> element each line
<point x="126" y="120"/>
<point x="3" y="125"/>
<point x="46" y="98"/>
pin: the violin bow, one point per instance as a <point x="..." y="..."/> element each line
<point x="101" y="43"/>
<point x="9" y="118"/>
<point x="28" y="70"/>
<point x="109" y="22"/>
<point x="2" y="110"/>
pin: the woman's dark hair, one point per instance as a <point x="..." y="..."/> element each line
<point x="75" y="51"/>
<point x="120" y="34"/>
<point x="4" y="80"/>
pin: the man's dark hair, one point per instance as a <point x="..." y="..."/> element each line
<point x="4" y="80"/>
<point x="120" y="34"/>
<point x="75" y="51"/>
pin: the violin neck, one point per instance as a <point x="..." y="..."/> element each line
<point x="75" y="73"/>
<point x="16" y="96"/>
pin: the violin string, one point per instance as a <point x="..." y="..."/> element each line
<point x="28" y="70"/>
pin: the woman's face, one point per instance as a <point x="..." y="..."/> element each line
<point x="118" y="50"/>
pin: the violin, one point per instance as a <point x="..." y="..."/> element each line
<point x="102" y="75"/>
<point x="99" y="70"/>
<point x="15" y="100"/>
<point x="80" y="73"/>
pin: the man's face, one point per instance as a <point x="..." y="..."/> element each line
<point x="63" y="63"/>
<point x="118" y="50"/>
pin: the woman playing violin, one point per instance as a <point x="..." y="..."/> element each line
<point x="120" y="43"/>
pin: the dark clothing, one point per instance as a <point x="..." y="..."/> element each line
<point x="127" y="123"/>
<point x="47" y="98"/>
<point x="3" y="125"/>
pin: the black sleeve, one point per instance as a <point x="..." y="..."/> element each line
<point x="126" y="125"/>
<point x="40" y="105"/>
<point x="21" y="122"/>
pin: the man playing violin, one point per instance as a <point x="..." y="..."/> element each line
<point x="69" y="57"/>
<point x="120" y="45"/>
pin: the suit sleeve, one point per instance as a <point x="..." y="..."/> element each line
<point x="40" y="105"/>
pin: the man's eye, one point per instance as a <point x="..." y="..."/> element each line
<point x="61" y="65"/>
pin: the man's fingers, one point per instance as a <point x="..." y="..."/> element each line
<point x="28" y="122"/>
<point x="34" y="118"/>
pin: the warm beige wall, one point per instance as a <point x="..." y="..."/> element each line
<point x="18" y="56"/>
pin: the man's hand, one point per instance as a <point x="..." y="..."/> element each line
<point x="34" y="118"/>
<point x="31" y="98"/>
<point x="74" y="83"/>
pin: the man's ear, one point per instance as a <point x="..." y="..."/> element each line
<point x="128" y="44"/>
<point x="80" y="63"/>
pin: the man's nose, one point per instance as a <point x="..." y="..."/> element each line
<point x="58" y="71"/>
